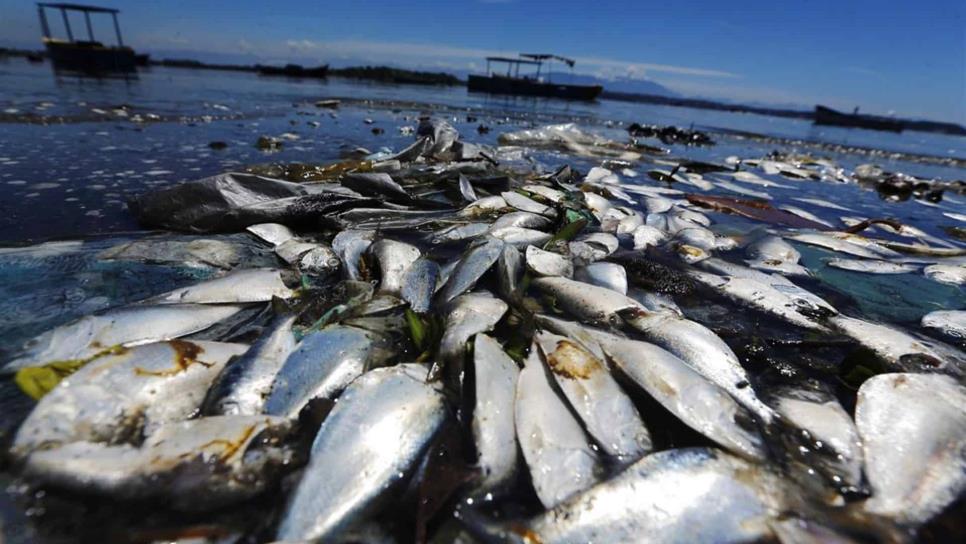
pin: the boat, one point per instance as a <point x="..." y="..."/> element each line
<point x="828" y="116"/>
<point x="293" y="70"/>
<point x="85" y="56"/>
<point x="532" y="85"/>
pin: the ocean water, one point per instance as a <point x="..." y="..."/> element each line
<point x="72" y="175"/>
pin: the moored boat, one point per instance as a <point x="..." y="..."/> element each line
<point x="85" y="56"/>
<point x="828" y="116"/>
<point x="513" y="83"/>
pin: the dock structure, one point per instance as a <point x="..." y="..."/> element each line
<point x="535" y="84"/>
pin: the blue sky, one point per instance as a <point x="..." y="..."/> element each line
<point x="901" y="56"/>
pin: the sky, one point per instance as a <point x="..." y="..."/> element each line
<point x="885" y="55"/>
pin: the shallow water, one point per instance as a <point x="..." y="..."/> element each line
<point x="69" y="180"/>
<point x="81" y="171"/>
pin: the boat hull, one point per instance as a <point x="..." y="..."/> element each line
<point x="293" y="70"/>
<point x="828" y="116"/>
<point x="525" y="87"/>
<point x="90" y="57"/>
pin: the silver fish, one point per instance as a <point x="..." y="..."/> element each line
<point x="585" y="336"/>
<point x="607" y="412"/>
<point x="664" y="498"/>
<point x="484" y="206"/>
<point x="524" y="220"/>
<point x="700" y="348"/>
<point x="509" y="270"/>
<point x="525" y="204"/>
<point x="116" y="397"/>
<point x="609" y="275"/>
<point x="243" y="385"/>
<point x="944" y="273"/>
<point x="521" y="237"/>
<point x="553" y="195"/>
<point x="321" y="261"/>
<point x="466" y="189"/>
<point x="823" y="203"/>
<point x="772" y="254"/>
<point x="477" y="259"/>
<point x="273" y="233"/>
<point x="871" y="266"/>
<point x="691" y="397"/>
<point x="900" y="350"/>
<point x="493" y="429"/>
<point x="196" y="253"/>
<point x="794" y="210"/>
<point x="419" y="284"/>
<point x="646" y="236"/>
<point x="468" y="315"/>
<point x="459" y="233"/>
<point x="951" y="323"/>
<point x="350" y="245"/>
<point x="393" y="259"/>
<point x="239" y="286"/>
<point x="913" y="429"/>
<point x="851" y="244"/>
<point x="370" y="441"/>
<point x="586" y="302"/>
<point x="548" y="263"/>
<point x="121" y="327"/>
<point x="375" y="184"/>
<point x="829" y="427"/>
<point x="192" y="465"/>
<point x="292" y="250"/>
<point x="734" y="188"/>
<point x="322" y="365"/>
<point x="558" y="455"/>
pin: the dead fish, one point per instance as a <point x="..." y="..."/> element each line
<point x="524" y="220"/>
<point x="607" y="412"/>
<point x="393" y="259"/>
<point x="691" y="397"/>
<point x="609" y="275"/>
<point x="367" y="445"/>
<point x="646" y="236"/>
<point x="191" y="465"/>
<point x="323" y="364"/>
<point x="913" y="429"/>
<point x="509" y="270"/>
<point x="951" y="323"/>
<point x="553" y="195"/>
<point x="728" y="186"/>
<point x="754" y="179"/>
<point x="597" y="204"/>
<point x="593" y="247"/>
<point x="586" y="336"/>
<point x="419" y="284"/>
<point x="548" y="263"/>
<point x="586" y="302"/>
<point x="196" y="253"/>
<point x="116" y="397"/>
<point x="459" y="233"/>
<point x="830" y="429"/>
<point x="872" y="266"/>
<point x="292" y="250"/>
<point x="805" y="214"/>
<point x="468" y="315"/>
<point x="484" y="206"/>
<point x="243" y="385"/>
<point x="900" y="350"/>
<point x="475" y="262"/>
<point x="851" y="244"/>
<point x="320" y="261"/>
<point x="239" y="286"/>
<point x="520" y="237"/>
<point x="466" y="189"/>
<point x="944" y="273"/>
<point x="100" y="334"/>
<point x="773" y="254"/>
<point x="273" y="233"/>
<point x="350" y="245"/>
<point x="556" y="450"/>
<point x="664" y="498"/>
<point x="823" y="203"/>
<point x="700" y="348"/>
<point x="375" y="184"/>
<point x="493" y="428"/>
<point x="525" y="204"/>
<point x="773" y="295"/>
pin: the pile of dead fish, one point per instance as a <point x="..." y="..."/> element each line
<point x="442" y="292"/>
<point x="670" y="134"/>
